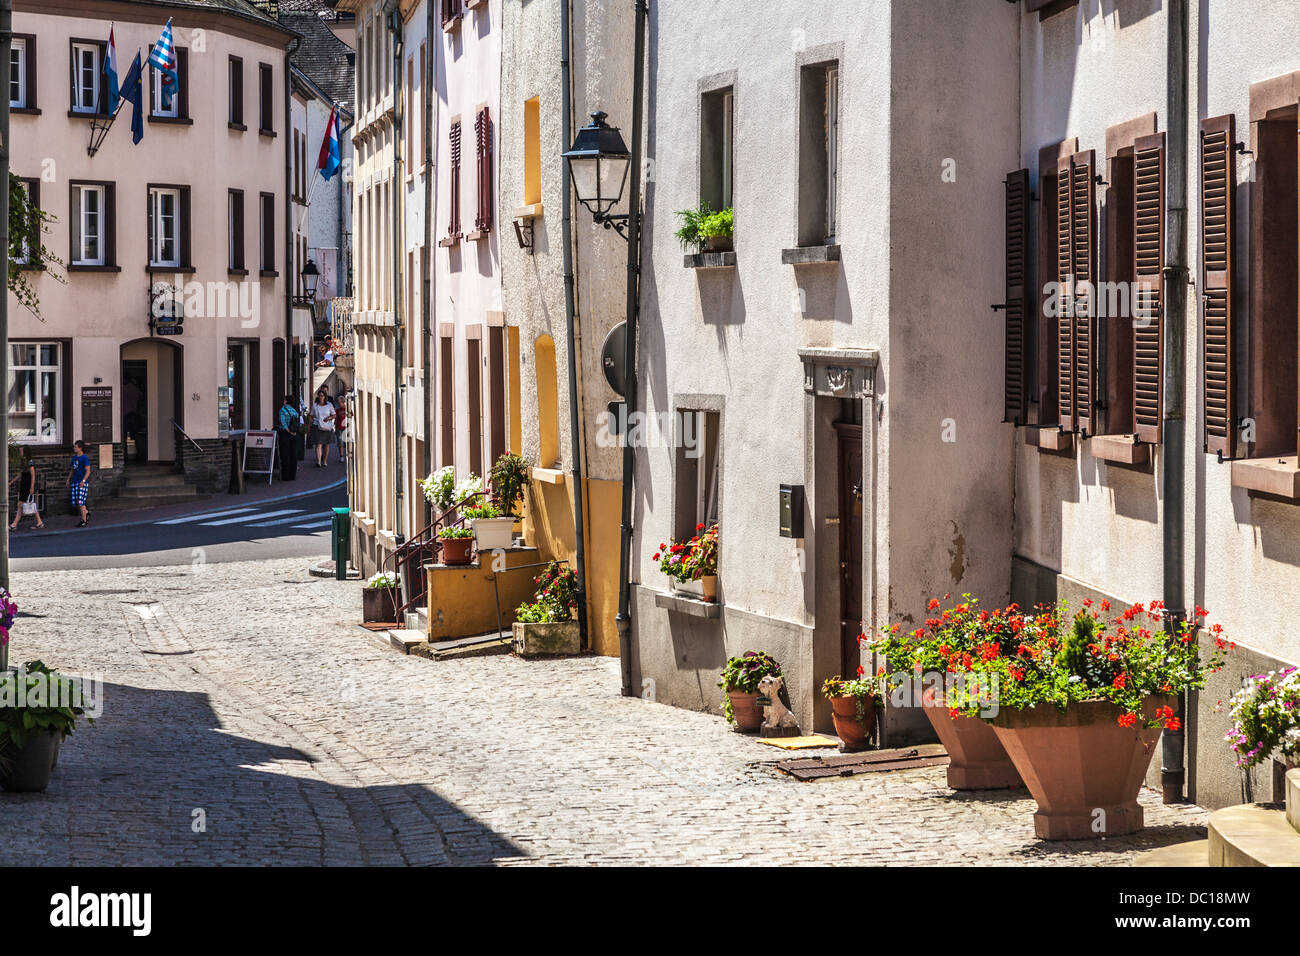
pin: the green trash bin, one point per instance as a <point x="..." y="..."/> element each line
<point x="340" y="539"/>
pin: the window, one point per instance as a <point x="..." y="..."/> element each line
<point x="87" y="61"/>
<point x="447" y="402"/>
<point x="474" y="395"/>
<point x="35" y="392"/>
<point x="453" y="191"/>
<point x="235" y="216"/>
<point x="696" y="472"/>
<point x="236" y="84"/>
<point x="243" y="376"/>
<point x="483" y="157"/>
<point x="532" y="151"/>
<point x="716" y="130"/>
<point x="177" y="105"/>
<point x="165" y="224"/>
<point x="424" y="127"/>
<point x="818" y="153"/>
<point x="267" y="253"/>
<point x="265" y="100"/>
<point x="32" y="190"/>
<point x="22" y="72"/>
<point x="451" y="13"/>
<point x="90" y="221"/>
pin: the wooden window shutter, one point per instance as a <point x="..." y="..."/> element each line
<point x="1017" y="302"/>
<point x="183" y="81"/>
<point x="1076" y="265"/>
<point x="110" y="224"/>
<point x="453" y="222"/>
<point x="1148" y="288"/>
<point x="1218" y="180"/>
<point x="185" y="226"/>
<point x="483" y="150"/>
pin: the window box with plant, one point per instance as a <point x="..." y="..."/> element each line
<point x="853" y="708"/>
<point x="739" y="683"/>
<point x="692" y="565"/>
<point x="705" y="230"/>
<point x="379" y="598"/>
<point x="548" y="624"/>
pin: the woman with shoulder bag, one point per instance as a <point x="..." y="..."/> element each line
<point x="26" y="495"/>
<point x="322" y="420"/>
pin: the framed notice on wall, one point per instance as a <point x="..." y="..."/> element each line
<point x="259" y="454"/>
<point x="97" y="414"/>
<point x="223" y="411"/>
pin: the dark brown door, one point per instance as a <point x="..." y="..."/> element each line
<point x="850" y="495"/>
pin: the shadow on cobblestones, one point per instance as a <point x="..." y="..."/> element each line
<point x="158" y="781"/>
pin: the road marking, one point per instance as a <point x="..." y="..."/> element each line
<point x="246" y="518"/>
<point x="289" y="520"/>
<point x="211" y="514"/>
<point x="323" y="523"/>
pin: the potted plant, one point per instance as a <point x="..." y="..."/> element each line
<point x="853" y="709"/>
<point x="938" y="658"/>
<point x="739" y="683"/>
<point x="439" y="488"/>
<point x="456" y="544"/>
<point x="716" y="230"/>
<point x="491" y="529"/>
<point x="509" y="478"/>
<point x="547" y="624"/>
<point x="39" y="707"/>
<point x="1266" y="718"/>
<point x="692" y="565"/>
<point x="379" y="598"/>
<point x="1080" y="712"/>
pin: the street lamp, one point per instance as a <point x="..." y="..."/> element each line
<point x="310" y="276"/>
<point x="598" y="165"/>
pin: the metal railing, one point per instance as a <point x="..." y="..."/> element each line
<point x="339" y="313"/>
<point x="185" y="435"/>
<point x="409" y="557"/>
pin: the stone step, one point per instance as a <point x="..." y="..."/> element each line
<point x="1293" y="798"/>
<point x="404" y="639"/>
<point x="1192" y="853"/>
<point x="181" y="491"/>
<point x="163" y="480"/>
<point x="133" y="504"/>
<point x="1252" y="834"/>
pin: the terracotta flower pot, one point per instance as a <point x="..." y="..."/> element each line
<point x="456" y="550"/>
<point x="1082" y="767"/>
<point x="749" y="716"/>
<point x="709" y="587"/>
<point x="852" y="731"/>
<point x="978" y="759"/>
<point x="379" y="604"/>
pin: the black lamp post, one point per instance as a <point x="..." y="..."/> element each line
<point x="310" y="276"/>
<point x="598" y="164"/>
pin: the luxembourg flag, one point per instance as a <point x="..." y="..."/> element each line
<point x="110" y="71"/>
<point x="163" y="57"/>
<point x="330" y="158"/>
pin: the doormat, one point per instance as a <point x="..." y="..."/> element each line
<point x="800" y="743"/>
<point x="380" y="625"/>
<point x="872" y="761"/>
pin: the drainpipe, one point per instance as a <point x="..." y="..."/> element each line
<point x="290" y="49"/>
<point x="624" y="620"/>
<point x="394" y="14"/>
<point x="1172" y="769"/>
<point x="6" y="40"/>
<point x="575" y="414"/>
<point x="426" y="293"/>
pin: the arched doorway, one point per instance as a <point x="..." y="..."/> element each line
<point x="152" y="375"/>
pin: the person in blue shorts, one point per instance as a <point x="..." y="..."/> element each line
<point x="79" y="480"/>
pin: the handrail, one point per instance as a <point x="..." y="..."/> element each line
<point x="182" y="431"/>
<point x="496" y="592"/>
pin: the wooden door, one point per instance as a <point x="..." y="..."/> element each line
<point x="850" y="508"/>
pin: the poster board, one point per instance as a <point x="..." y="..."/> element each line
<point x="223" y="410"/>
<point x="97" y="414"/>
<point x="259" y="454"/>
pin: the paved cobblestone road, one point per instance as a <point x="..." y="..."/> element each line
<point x="245" y="691"/>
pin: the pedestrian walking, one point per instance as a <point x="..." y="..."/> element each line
<point x="26" y="480"/>
<point x="322" y="421"/>
<point x="286" y="437"/>
<point x="341" y="424"/>
<point x="79" y="480"/>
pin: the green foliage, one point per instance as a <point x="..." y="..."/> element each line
<point x="509" y="478"/>
<point x="718" y="225"/>
<point x="385" y="579"/>
<point x="455" y="533"/>
<point x="704" y="223"/>
<point x="556" y="599"/>
<point x="484" y="509"/>
<point x="742" y="674"/>
<point x="439" y="487"/>
<point x="1266" y="717"/>
<point x="27" y="227"/>
<point x="50" y="701"/>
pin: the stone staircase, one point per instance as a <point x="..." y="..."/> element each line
<point x="1250" y="834"/>
<point x="146" y="486"/>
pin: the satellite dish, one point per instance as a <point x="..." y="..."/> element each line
<point x="612" y="356"/>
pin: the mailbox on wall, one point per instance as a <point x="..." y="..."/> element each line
<point x="792" y="511"/>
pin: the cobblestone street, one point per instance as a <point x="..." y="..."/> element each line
<point x="244" y="696"/>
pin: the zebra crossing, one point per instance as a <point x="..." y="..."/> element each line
<point x="270" y="516"/>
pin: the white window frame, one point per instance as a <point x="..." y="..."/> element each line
<point x="49" y="428"/>
<point x="155" y="106"/>
<point x="832" y="148"/>
<point x="18" y="61"/>
<point x="78" y="89"/>
<point x="85" y="217"/>
<point x="728" y="119"/>
<point x="157" y="235"/>
<point x="24" y="257"/>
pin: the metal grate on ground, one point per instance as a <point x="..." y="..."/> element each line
<point x="871" y="761"/>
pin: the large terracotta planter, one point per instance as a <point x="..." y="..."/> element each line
<point x="379" y="605"/>
<point x="749" y="716"/>
<point x="852" y="731"/>
<point x="978" y="759"/>
<point x="1082" y="767"/>
<point x="456" y="551"/>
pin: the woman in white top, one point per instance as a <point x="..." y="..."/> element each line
<point x="322" y="421"/>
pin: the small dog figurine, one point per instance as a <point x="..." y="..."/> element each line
<point x="779" y="720"/>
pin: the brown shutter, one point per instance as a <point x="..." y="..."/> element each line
<point x="1015" y="387"/>
<point x="1076" y="265"/>
<point x="1148" y="294"/>
<point x="110" y="224"/>
<point x="185" y="227"/>
<point x="183" y="81"/>
<point x="30" y="41"/>
<point x="483" y="152"/>
<point x="237" y="91"/>
<point x="1064" y="297"/>
<point x="1218" y="180"/>
<point x="453" y="222"/>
